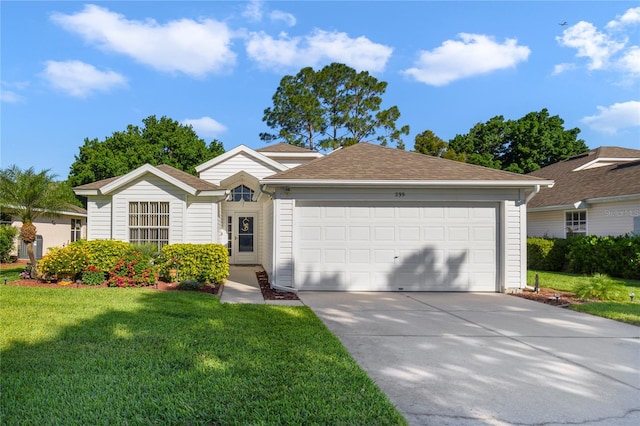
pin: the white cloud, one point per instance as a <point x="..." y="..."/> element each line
<point x="205" y="126"/>
<point x="606" y="50"/>
<point x="560" y="68"/>
<point x="475" y="54"/>
<point x="630" y="17"/>
<point x="10" y="97"/>
<point x="317" y="48"/>
<point x="80" y="79"/>
<point x="590" y="43"/>
<point x="253" y="11"/>
<point x="615" y="117"/>
<point x="186" y="46"/>
<point x="287" y="18"/>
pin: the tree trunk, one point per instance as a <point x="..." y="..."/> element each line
<point x="32" y="259"/>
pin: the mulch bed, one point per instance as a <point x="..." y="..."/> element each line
<point x="548" y="296"/>
<point x="161" y="286"/>
<point x="269" y="293"/>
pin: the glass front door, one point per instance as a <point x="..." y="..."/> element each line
<point x="244" y="244"/>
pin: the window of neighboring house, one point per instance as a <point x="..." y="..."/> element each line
<point x="76" y="229"/>
<point x="241" y="193"/>
<point x="149" y="223"/>
<point x="5" y="219"/>
<point x="636" y="225"/>
<point x="576" y="222"/>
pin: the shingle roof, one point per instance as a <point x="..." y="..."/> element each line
<point x="617" y="179"/>
<point x="284" y="147"/>
<point x="192" y="181"/>
<point x="368" y="162"/>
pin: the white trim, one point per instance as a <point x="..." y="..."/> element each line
<point x="237" y="150"/>
<point x="583" y="204"/>
<point x="140" y="171"/>
<point x="290" y="154"/>
<point x="606" y="161"/>
<point x="406" y="183"/>
<point x="613" y="198"/>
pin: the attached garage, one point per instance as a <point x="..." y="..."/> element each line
<point x="386" y="246"/>
<point x="369" y="218"/>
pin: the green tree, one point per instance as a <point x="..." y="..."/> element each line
<point x="430" y="144"/>
<point x="29" y="195"/>
<point x="162" y="141"/>
<point x="333" y="107"/>
<point x="522" y="146"/>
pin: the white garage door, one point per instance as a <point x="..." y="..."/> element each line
<point x="382" y="247"/>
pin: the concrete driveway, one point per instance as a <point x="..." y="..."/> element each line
<point x="488" y="359"/>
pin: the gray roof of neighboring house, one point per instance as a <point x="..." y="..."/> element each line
<point x="615" y="179"/>
<point x="368" y="162"/>
<point x="284" y="147"/>
<point x="188" y="179"/>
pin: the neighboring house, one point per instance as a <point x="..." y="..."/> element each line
<point x="361" y="218"/>
<point x="595" y="193"/>
<point x="69" y="226"/>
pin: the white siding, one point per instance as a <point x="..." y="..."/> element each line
<point x="235" y="164"/>
<point x="612" y="218"/>
<point x="202" y="219"/>
<point x="283" y="242"/>
<point x="267" y="237"/>
<point x="150" y="188"/>
<point x="546" y="224"/>
<point x="515" y="257"/>
<point x="99" y="218"/>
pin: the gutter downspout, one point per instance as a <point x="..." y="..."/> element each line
<point x="270" y="194"/>
<point x="532" y="194"/>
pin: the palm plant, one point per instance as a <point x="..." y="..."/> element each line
<point x="29" y="195"/>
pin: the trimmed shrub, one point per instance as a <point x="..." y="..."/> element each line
<point x="133" y="270"/>
<point x="547" y="254"/>
<point x="614" y="256"/>
<point x="206" y="263"/>
<point x="192" y="285"/>
<point x="8" y="236"/>
<point x="93" y="276"/>
<point x="105" y="254"/>
<point x="601" y="287"/>
<point x="71" y="259"/>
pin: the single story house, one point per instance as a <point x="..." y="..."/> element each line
<point x="70" y="225"/>
<point x="595" y="193"/>
<point x="361" y="218"/>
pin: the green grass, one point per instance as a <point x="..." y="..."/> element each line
<point x="138" y="356"/>
<point x="628" y="312"/>
<point x="11" y="273"/>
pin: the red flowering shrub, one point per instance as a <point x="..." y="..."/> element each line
<point x="133" y="270"/>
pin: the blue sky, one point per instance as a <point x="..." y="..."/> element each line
<point x="74" y="70"/>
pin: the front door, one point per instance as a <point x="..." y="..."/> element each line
<point x="244" y="244"/>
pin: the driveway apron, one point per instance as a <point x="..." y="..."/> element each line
<point x="488" y="359"/>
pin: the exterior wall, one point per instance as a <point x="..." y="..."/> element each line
<point x="150" y="188"/>
<point x="99" y="218"/>
<point x="55" y="231"/>
<point x="283" y="242"/>
<point x="612" y="218"/>
<point x="292" y="162"/>
<point x="202" y="218"/>
<point x="546" y="224"/>
<point x="602" y="219"/>
<point x="514" y="258"/>
<point x="235" y="164"/>
<point x="266" y="258"/>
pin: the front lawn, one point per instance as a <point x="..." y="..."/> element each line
<point x="11" y="273"/>
<point x="138" y="356"/>
<point x="628" y="312"/>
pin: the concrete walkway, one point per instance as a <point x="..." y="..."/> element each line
<point x="242" y="287"/>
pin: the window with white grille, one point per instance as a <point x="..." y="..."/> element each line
<point x="149" y="222"/>
<point x="576" y="222"/>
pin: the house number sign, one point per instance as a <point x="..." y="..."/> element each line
<point x="400" y="194"/>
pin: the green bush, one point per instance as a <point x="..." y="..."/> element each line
<point x="206" y="263"/>
<point x="615" y="256"/>
<point x="8" y="236"/>
<point x="93" y="276"/>
<point x="547" y="254"/>
<point x="601" y="287"/>
<point x="192" y="285"/>
<point x="105" y="254"/>
<point x="71" y="259"/>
